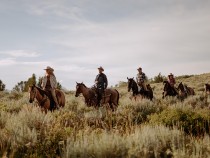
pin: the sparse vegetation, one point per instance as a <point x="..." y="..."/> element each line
<point x="142" y="128"/>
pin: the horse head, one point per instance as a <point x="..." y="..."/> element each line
<point x="180" y="86"/>
<point x="79" y="87"/>
<point x="166" y="85"/>
<point x="130" y="83"/>
<point x="32" y="93"/>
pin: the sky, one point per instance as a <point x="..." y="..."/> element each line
<point x="75" y="37"/>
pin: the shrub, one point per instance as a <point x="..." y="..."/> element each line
<point x="159" y="78"/>
<point x="195" y="123"/>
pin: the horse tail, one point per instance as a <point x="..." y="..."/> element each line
<point x="61" y="97"/>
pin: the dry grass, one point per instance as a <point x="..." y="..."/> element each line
<point x="161" y="128"/>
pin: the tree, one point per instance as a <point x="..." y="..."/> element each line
<point x="31" y="81"/>
<point x="2" y="86"/>
<point x="159" y="78"/>
<point x="40" y="82"/>
<point x="59" y="86"/>
<point x="22" y="86"/>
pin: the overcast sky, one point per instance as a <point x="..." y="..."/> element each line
<point x="75" y="37"/>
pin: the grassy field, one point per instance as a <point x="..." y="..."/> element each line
<point x="143" y="128"/>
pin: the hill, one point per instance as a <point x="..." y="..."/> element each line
<point x="159" y="128"/>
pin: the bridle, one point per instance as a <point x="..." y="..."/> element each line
<point x="34" y="93"/>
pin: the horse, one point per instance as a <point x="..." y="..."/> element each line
<point x="168" y="90"/>
<point x="185" y="90"/>
<point x="207" y="88"/>
<point x="88" y="93"/>
<point x="111" y="96"/>
<point x="135" y="89"/>
<point x="44" y="99"/>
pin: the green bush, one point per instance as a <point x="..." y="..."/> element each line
<point x="191" y="122"/>
<point x="159" y="78"/>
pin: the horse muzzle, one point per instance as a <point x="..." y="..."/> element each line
<point x="30" y="101"/>
<point x="76" y="95"/>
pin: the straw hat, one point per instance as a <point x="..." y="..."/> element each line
<point x="49" y="68"/>
<point x="101" y="68"/>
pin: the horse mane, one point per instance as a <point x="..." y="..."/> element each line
<point x="165" y="81"/>
<point x="83" y="85"/>
<point x="181" y="85"/>
<point x="42" y="92"/>
<point x="132" y="79"/>
<point x="134" y="87"/>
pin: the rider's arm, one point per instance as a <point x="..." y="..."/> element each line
<point x="105" y="81"/>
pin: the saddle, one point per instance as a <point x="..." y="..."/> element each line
<point x="141" y="88"/>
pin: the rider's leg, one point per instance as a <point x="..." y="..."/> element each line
<point x="55" y="98"/>
<point x="144" y="86"/>
<point x="100" y="96"/>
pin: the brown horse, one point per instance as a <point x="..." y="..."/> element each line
<point x="44" y="99"/>
<point x="185" y="91"/>
<point x="111" y="96"/>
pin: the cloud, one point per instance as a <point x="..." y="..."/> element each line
<point x="7" y="62"/>
<point x="158" y="35"/>
<point x="20" y="53"/>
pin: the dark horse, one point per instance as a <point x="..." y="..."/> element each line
<point x="185" y="91"/>
<point x="133" y="85"/>
<point x="44" y="99"/>
<point x="207" y="88"/>
<point x="168" y="90"/>
<point x="111" y="96"/>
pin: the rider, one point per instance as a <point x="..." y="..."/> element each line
<point x="49" y="84"/>
<point x="141" y="79"/>
<point x="101" y="84"/>
<point x="172" y="81"/>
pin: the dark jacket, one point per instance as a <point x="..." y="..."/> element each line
<point x="101" y="81"/>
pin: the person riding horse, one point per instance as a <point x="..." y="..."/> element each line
<point x="141" y="79"/>
<point x="101" y="84"/>
<point x="172" y="82"/>
<point x="49" y="84"/>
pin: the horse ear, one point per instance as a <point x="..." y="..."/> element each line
<point x="76" y="82"/>
<point x="127" y="77"/>
<point x="133" y="78"/>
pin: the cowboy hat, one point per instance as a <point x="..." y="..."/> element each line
<point x="170" y="74"/>
<point x="139" y="68"/>
<point x="49" y="68"/>
<point x="101" y="68"/>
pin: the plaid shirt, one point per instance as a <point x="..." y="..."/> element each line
<point x="140" y="78"/>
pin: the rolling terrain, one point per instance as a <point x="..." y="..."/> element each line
<point x="159" y="128"/>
